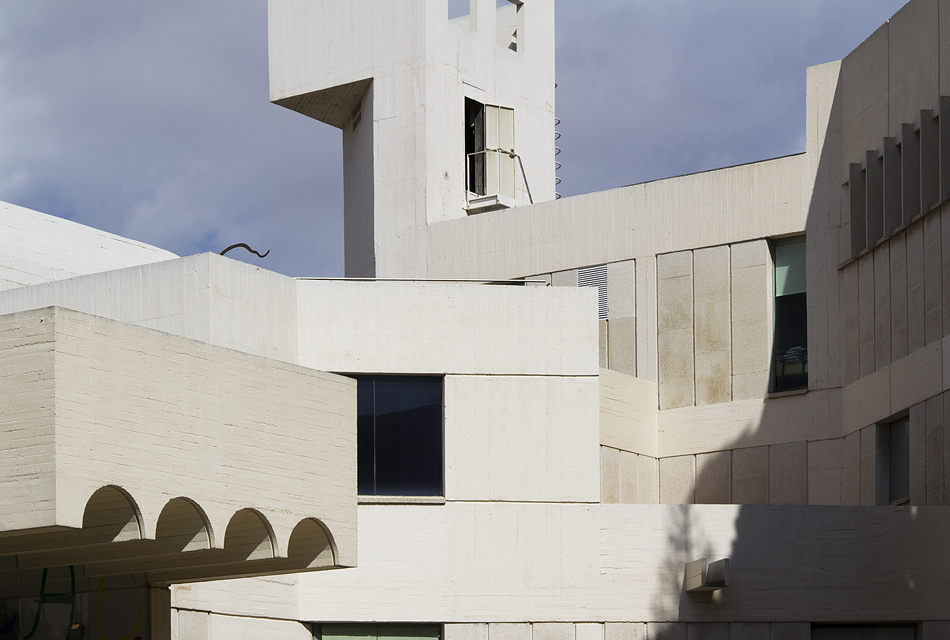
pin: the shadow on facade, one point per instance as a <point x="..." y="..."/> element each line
<point x="788" y="561"/>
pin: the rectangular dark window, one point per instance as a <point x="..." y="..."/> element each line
<point x="790" y="341"/>
<point x="893" y="462"/>
<point x="865" y="632"/>
<point x="475" y="146"/>
<point x="399" y="435"/>
<point x="377" y="631"/>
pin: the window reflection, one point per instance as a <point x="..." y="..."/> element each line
<point x="790" y="341"/>
<point x="399" y="435"/>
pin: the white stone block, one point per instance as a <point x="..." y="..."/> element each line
<point x="431" y="328"/>
<point x="628" y="413"/>
<point x="712" y="325"/>
<point x="522" y="438"/>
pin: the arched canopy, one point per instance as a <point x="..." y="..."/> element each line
<point x="111" y="542"/>
<point x="311" y="544"/>
<point x="183" y="526"/>
<point x="249" y="536"/>
<point x="112" y="515"/>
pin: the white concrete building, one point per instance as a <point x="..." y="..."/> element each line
<point x="559" y="406"/>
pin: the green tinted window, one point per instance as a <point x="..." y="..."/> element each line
<point x="790" y="339"/>
<point x="789" y="267"/>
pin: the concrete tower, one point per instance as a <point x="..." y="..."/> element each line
<point x="441" y="118"/>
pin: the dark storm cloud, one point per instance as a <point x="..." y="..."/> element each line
<point x="151" y="120"/>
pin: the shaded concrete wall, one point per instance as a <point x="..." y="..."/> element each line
<point x="697" y="321"/>
<point x="108" y="608"/>
<point x="895" y="296"/>
<point x="877" y="319"/>
<point x="515" y="562"/>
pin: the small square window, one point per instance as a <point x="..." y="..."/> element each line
<point x="399" y="435"/>
<point x="893" y="462"/>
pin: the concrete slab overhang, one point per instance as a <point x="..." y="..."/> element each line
<point x="128" y="450"/>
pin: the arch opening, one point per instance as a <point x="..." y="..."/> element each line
<point x="311" y="544"/>
<point x="111" y="515"/>
<point x="183" y="526"/>
<point x="249" y="536"/>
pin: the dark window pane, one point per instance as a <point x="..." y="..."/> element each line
<point x="870" y="632"/>
<point x="899" y="460"/>
<point x="475" y="143"/>
<point x="380" y="632"/>
<point x="400" y="435"/>
<point x="791" y="342"/>
<point x="365" y="451"/>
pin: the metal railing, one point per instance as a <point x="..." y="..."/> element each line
<point x="494" y="172"/>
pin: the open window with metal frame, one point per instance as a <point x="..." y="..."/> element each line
<point x="494" y="174"/>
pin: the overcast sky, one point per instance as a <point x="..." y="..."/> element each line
<point x="151" y="119"/>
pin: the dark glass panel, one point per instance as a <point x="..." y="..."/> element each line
<point x="365" y="437"/>
<point x="475" y="142"/>
<point x="791" y="341"/>
<point x="400" y="435"/>
<point x="868" y="632"/>
<point x="409" y="436"/>
<point x="899" y="460"/>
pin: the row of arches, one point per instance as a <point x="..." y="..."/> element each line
<point x="185" y="546"/>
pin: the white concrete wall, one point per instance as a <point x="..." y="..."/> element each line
<point x="497" y="562"/>
<point x="452" y="328"/>
<point x="202" y="625"/>
<point x="35" y="248"/>
<point x="704" y="327"/>
<point x="521" y="438"/>
<point x="825" y="288"/>
<point x="893" y="296"/>
<point x="98" y="402"/>
<point x="204" y="297"/>
<point x="359" y="251"/>
<point x="519" y="538"/>
<point x="478" y="562"/>
<point x="628" y="413"/>
<point x="26" y="415"/>
<point x="521" y="385"/>
<point x="741" y="203"/>
<point x="412" y="68"/>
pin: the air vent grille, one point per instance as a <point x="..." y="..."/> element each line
<point x="595" y="277"/>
